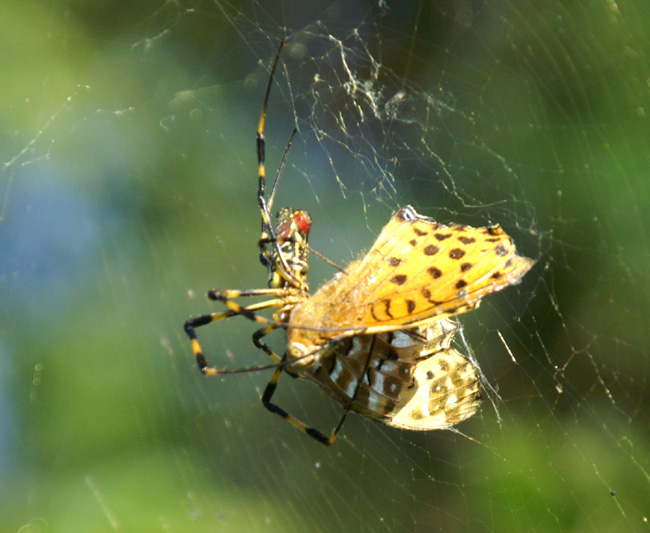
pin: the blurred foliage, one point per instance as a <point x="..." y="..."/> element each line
<point x="128" y="190"/>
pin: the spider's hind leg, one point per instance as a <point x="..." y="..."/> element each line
<point x="312" y="432"/>
<point x="269" y="391"/>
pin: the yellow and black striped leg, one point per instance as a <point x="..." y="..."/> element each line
<point x="229" y="294"/>
<point x="312" y="432"/>
<point x="236" y="309"/>
<point x="257" y="336"/>
<point x="280" y="265"/>
<point x="266" y="400"/>
<point x="201" y="361"/>
<point x="197" y="322"/>
<point x="261" y="154"/>
<point x="265" y="206"/>
<point x="284" y="298"/>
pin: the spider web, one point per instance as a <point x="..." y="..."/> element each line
<point x="128" y="190"/>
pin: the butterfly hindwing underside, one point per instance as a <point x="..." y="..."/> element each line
<point x="411" y="379"/>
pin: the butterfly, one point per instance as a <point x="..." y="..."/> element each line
<point x="377" y="337"/>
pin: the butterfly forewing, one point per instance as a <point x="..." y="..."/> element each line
<point x="417" y="270"/>
<point x="441" y="270"/>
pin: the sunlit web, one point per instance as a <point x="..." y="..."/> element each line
<point x="128" y="190"/>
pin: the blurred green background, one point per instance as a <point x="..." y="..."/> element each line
<point x="128" y="190"/>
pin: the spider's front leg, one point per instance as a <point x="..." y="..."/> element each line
<point x="283" y="298"/>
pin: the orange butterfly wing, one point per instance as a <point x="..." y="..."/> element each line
<point x="411" y="378"/>
<point x="416" y="270"/>
<point x="419" y="269"/>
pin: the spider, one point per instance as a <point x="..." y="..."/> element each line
<point x="376" y="337"/>
<point x="284" y="251"/>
